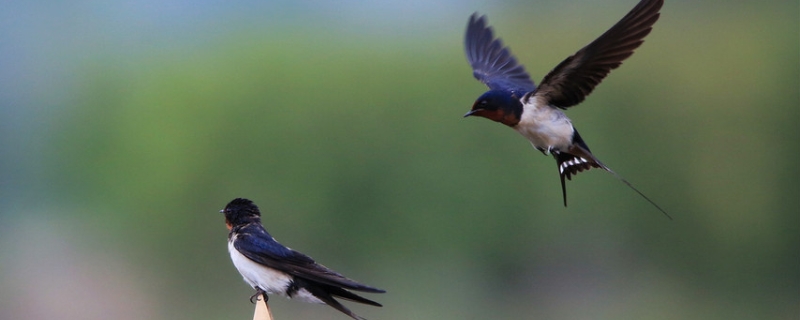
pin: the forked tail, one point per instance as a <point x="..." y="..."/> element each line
<point x="620" y="178"/>
<point x="579" y="159"/>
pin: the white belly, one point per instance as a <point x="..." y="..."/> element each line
<point x="268" y="279"/>
<point x="545" y="127"/>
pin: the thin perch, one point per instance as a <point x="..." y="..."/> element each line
<point x="262" y="310"/>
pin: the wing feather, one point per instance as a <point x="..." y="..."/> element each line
<point x="493" y="64"/>
<point x="574" y="78"/>
<point x="259" y="246"/>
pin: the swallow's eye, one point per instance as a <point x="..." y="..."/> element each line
<point x="484" y="102"/>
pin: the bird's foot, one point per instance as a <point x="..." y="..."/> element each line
<point x="255" y="296"/>
<point x="543" y="150"/>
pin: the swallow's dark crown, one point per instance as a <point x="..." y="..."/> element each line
<point x="241" y="211"/>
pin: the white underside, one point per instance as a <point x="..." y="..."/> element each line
<point x="268" y="279"/>
<point x="545" y="127"/>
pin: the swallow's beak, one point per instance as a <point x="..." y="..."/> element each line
<point x="222" y="211"/>
<point x="471" y="112"/>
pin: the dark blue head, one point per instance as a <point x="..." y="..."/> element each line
<point x="240" y="212"/>
<point x="498" y="105"/>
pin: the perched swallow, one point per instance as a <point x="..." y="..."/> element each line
<point x="535" y="112"/>
<point x="271" y="268"/>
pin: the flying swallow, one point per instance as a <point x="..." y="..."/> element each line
<point x="536" y="112"/>
<point x="271" y="268"/>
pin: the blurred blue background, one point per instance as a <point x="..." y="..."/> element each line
<point x="125" y="126"/>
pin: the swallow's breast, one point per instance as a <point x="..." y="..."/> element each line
<point x="256" y="275"/>
<point x="545" y="126"/>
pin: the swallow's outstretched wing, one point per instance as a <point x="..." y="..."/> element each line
<point x="574" y="78"/>
<point x="493" y="64"/>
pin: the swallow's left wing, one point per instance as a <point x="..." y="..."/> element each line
<point x="574" y="78"/>
<point x="260" y="247"/>
<point x="493" y="64"/>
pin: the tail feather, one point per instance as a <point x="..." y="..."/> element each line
<point x="570" y="164"/>
<point x="323" y="295"/>
<point x="344" y="294"/>
<point x="620" y="178"/>
<point x="338" y="306"/>
<point x="578" y="159"/>
<point x="326" y="294"/>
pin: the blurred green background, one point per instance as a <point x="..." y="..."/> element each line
<point x="125" y="126"/>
